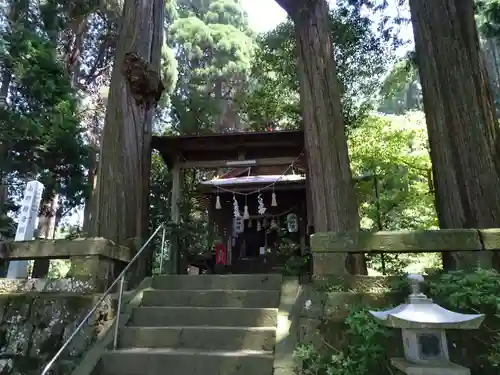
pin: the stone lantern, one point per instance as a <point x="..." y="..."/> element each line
<point x="423" y="325"/>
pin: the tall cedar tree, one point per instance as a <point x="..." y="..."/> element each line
<point x="461" y="121"/>
<point x="333" y="198"/>
<point x="121" y="209"/>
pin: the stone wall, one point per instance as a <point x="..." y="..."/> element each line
<point x="36" y="318"/>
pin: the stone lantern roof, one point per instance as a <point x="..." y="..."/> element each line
<point x="421" y="313"/>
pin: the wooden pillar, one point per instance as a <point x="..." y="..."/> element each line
<point x="175" y="216"/>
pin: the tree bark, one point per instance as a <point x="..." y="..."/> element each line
<point x="329" y="173"/>
<point x="460" y="119"/>
<point x="121" y="209"/>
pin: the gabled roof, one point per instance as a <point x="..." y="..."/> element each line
<point x="227" y="146"/>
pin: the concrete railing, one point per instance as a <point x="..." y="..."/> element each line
<point x="330" y="249"/>
<point x="95" y="260"/>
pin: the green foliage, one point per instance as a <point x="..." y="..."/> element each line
<point x="197" y="233"/>
<point x="401" y="91"/>
<point x="272" y="100"/>
<point x="41" y="129"/>
<point x="361" y="352"/>
<point x="214" y="49"/>
<point x="402" y="74"/>
<point x="160" y="187"/>
<point x="394" y="149"/>
<point x="488" y="17"/>
<point x="295" y="263"/>
<point x="7" y="227"/>
<point x="194" y="233"/>
<point x="474" y="293"/>
<point x="390" y="158"/>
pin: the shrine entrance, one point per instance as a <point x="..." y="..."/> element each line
<point x="257" y="200"/>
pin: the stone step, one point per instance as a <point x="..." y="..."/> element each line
<point x="203" y="338"/>
<point x="185" y="362"/>
<point x="218" y="282"/>
<point x="203" y="316"/>
<point x="212" y="298"/>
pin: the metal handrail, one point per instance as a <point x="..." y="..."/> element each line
<point x="120" y="278"/>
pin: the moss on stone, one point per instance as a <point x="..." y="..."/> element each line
<point x="397" y="241"/>
<point x="33" y="326"/>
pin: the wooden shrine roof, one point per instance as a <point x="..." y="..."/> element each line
<point x="229" y="146"/>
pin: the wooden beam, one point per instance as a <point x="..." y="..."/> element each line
<point x="214" y="164"/>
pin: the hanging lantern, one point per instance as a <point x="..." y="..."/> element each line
<point x="246" y="215"/>
<point x="292" y="223"/>
<point x="217" y="203"/>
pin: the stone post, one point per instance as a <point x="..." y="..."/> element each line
<point x="26" y="226"/>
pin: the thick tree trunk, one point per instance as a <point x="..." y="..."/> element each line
<point x="460" y="119"/>
<point x="332" y="189"/>
<point x="121" y="209"/>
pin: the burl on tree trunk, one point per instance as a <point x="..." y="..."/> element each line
<point x="333" y="196"/>
<point x="461" y="121"/>
<point x="123" y="179"/>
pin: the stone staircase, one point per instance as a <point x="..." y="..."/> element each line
<point x="207" y="324"/>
